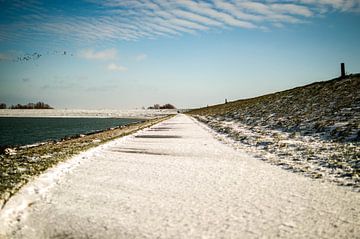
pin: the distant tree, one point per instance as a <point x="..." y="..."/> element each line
<point x="42" y="105"/>
<point x="38" y="105"/>
<point x="155" y="107"/>
<point x="31" y="106"/>
<point x="2" y="106"/>
<point x="167" y="106"/>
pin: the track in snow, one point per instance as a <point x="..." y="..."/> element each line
<point x="174" y="180"/>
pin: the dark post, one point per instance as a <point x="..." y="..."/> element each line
<point x="342" y="69"/>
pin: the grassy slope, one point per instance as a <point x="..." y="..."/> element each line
<point x="329" y="109"/>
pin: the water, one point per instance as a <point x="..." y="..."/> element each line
<point x="24" y="131"/>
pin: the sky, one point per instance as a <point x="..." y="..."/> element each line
<point x="127" y="54"/>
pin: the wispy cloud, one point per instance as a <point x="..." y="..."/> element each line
<point x="116" y="67"/>
<point x="90" y="54"/>
<point x="141" y="57"/>
<point x="12" y="55"/>
<point x="114" y="20"/>
<point x="4" y="57"/>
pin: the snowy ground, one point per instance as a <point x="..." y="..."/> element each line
<point x="175" y="180"/>
<point x="309" y="155"/>
<point x="106" y="113"/>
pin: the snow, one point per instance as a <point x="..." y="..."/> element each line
<point x="104" y="113"/>
<point x="309" y="155"/>
<point x="177" y="182"/>
<point x="36" y="190"/>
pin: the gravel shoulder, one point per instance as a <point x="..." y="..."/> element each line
<point x="175" y="180"/>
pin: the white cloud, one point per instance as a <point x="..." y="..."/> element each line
<point x="187" y="24"/>
<point x="141" y="57"/>
<point x="196" y="18"/>
<point x="132" y="20"/>
<point x="235" y="11"/>
<point x="292" y="9"/>
<point x="209" y="10"/>
<point x="4" y="57"/>
<point x="90" y="54"/>
<point x="115" y="67"/>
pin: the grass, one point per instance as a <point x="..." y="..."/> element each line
<point x="312" y="129"/>
<point x="18" y="169"/>
<point x="310" y="109"/>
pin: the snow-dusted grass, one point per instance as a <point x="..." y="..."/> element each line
<point x="174" y="180"/>
<point x="328" y="110"/>
<point x="20" y="165"/>
<point x="313" y="130"/>
<point x="308" y="155"/>
<point x="105" y="113"/>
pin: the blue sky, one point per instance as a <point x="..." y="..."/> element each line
<point x="133" y="53"/>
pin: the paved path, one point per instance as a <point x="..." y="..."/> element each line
<point x="175" y="180"/>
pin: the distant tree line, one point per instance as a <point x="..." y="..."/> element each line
<point x="38" y="105"/>
<point x="166" y="106"/>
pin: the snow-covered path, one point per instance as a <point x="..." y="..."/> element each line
<point x="174" y="180"/>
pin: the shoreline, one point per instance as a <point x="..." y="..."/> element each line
<point x="67" y="137"/>
<point x="155" y="179"/>
<point x="21" y="164"/>
<point x="83" y="113"/>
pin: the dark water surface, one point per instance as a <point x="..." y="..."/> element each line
<point x="23" y="131"/>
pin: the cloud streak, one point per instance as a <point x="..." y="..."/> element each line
<point x="4" y="57"/>
<point x="116" y="67"/>
<point x="141" y="57"/>
<point x="90" y="54"/>
<point x="131" y="20"/>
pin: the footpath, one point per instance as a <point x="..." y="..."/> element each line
<point x="175" y="180"/>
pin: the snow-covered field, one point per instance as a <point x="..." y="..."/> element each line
<point x="313" y="130"/>
<point x="175" y="180"/>
<point x="105" y="113"/>
<point x="309" y="155"/>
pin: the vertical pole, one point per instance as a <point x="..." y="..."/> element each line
<point x="342" y="69"/>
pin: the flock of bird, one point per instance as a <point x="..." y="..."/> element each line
<point x="36" y="55"/>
